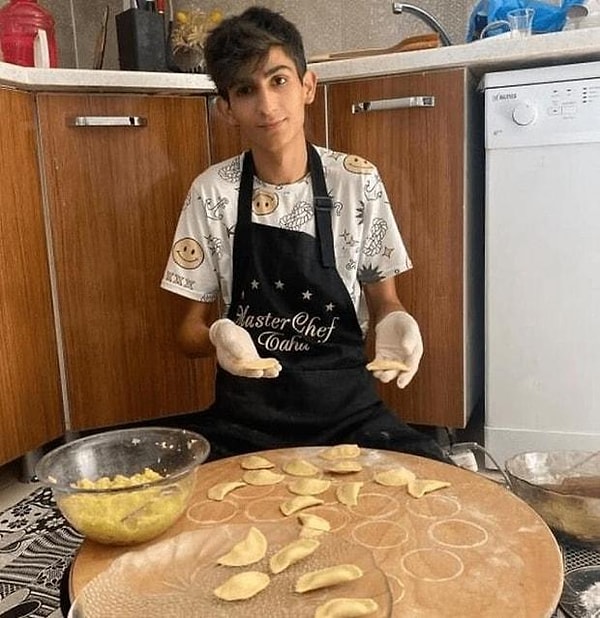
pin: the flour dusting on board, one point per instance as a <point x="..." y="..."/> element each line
<point x="590" y="599"/>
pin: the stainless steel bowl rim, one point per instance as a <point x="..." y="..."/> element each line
<point x="510" y="465"/>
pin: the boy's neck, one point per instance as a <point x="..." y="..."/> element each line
<point x="281" y="167"/>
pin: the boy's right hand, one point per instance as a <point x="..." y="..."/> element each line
<point x="236" y="352"/>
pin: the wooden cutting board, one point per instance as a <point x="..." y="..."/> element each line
<point x="472" y="549"/>
<point x="413" y="43"/>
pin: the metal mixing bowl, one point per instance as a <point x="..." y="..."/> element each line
<point x="101" y="487"/>
<point x="576" y="515"/>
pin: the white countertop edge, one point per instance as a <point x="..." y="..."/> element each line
<point x="481" y="56"/>
<point x="105" y="81"/>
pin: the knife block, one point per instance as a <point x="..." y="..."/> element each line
<point x="141" y="38"/>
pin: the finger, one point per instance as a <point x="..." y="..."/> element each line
<point x="386" y="376"/>
<point x="251" y="373"/>
<point x="272" y="372"/>
<point x="405" y="377"/>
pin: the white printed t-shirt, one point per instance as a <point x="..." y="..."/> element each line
<point x="367" y="243"/>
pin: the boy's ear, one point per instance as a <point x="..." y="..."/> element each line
<point x="225" y="110"/>
<point x="309" y="81"/>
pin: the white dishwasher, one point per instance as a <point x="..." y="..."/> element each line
<point x="542" y="259"/>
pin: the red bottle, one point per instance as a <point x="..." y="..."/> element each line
<point x="20" y="21"/>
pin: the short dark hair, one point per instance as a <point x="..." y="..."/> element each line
<point x="244" y="41"/>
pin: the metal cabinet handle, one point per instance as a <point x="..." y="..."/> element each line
<point x="107" y="121"/>
<point x="402" y="103"/>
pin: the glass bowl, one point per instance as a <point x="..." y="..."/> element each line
<point x="124" y="486"/>
<point x="564" y="488"/>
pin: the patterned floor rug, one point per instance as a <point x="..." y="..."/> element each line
<point x="37" y="545"/>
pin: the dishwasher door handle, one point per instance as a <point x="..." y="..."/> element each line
<point x="385" y="104"/>
<point x="107" y="121"/>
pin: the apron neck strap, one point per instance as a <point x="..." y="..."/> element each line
<point x="322" y="203"/>
<point x="243" y="229"/>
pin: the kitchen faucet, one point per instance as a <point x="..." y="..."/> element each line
<point x="428" y="18"/>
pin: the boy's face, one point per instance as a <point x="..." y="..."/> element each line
<point x="268" y="104"/>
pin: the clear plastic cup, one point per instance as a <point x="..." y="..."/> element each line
<point x="520" y="22"/>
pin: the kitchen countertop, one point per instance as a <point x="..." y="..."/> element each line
<point x="492" y="54"/>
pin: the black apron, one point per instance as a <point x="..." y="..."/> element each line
<point x="289" y="296"/>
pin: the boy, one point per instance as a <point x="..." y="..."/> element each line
<point x="297" y="242"/>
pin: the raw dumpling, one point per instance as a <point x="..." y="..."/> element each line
<point x="248" y="551"/>
<point x="292" y="553"/>
<point x="397" y="477"/>
<point x="347" y="493"/>
<point x="344" y="466"/>
<point x="242" y="586"/>
<point x="328" y="577"/>
<point x="298" y="503"/>
<point x="341" y="451"/>
<point x="254" y="364"/>
<point x="346" y="608"/>
<point x="308" y="487"/>
<point x="313" y="525"/>
<point x="256" y="462"/>
<point x="262" y="477"/>
<point x="387" y="364"/>
<point x="419" y="487"/>
<point x="300" y="467"/>
<point x="219" y="491"/>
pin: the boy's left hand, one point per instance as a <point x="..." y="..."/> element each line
<point x="397" y="337"/>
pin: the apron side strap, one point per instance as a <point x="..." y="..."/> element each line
<point x="323" y="208"/>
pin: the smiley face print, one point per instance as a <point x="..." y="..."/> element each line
<point x="264" y="203"/>
<point x="187" y="253"/>
<point x="357" y="165"/>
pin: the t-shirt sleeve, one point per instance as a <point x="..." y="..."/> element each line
<point x="192" y="265"/>
<point x="383" y="253"/>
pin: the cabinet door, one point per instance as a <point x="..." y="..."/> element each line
<point x="419" y="152"/>
<point x="115" y="193"/>
<point x="225" y="140"/>
<point x="30" y="403"/>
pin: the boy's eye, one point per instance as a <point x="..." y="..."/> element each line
<point x="280" y="80"/>
<point x="242" y="91"/>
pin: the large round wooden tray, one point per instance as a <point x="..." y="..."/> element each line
<point x="471" y="550"/>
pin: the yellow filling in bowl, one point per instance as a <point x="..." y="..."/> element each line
<point x="128" y="517"/>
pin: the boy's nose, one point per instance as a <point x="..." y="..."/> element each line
<point x="265" y="101"/>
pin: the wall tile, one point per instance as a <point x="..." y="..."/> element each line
<point x="87" y="17"/>
<point x="61" y="11"/>
<point x="326" y="26"/>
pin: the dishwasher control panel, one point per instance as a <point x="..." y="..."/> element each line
<point x="565" y="112"/>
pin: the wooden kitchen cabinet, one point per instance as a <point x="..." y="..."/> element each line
<point x="115" y="192"/>
<point x="30" y="401"/>
<point x="431" y="161"/>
